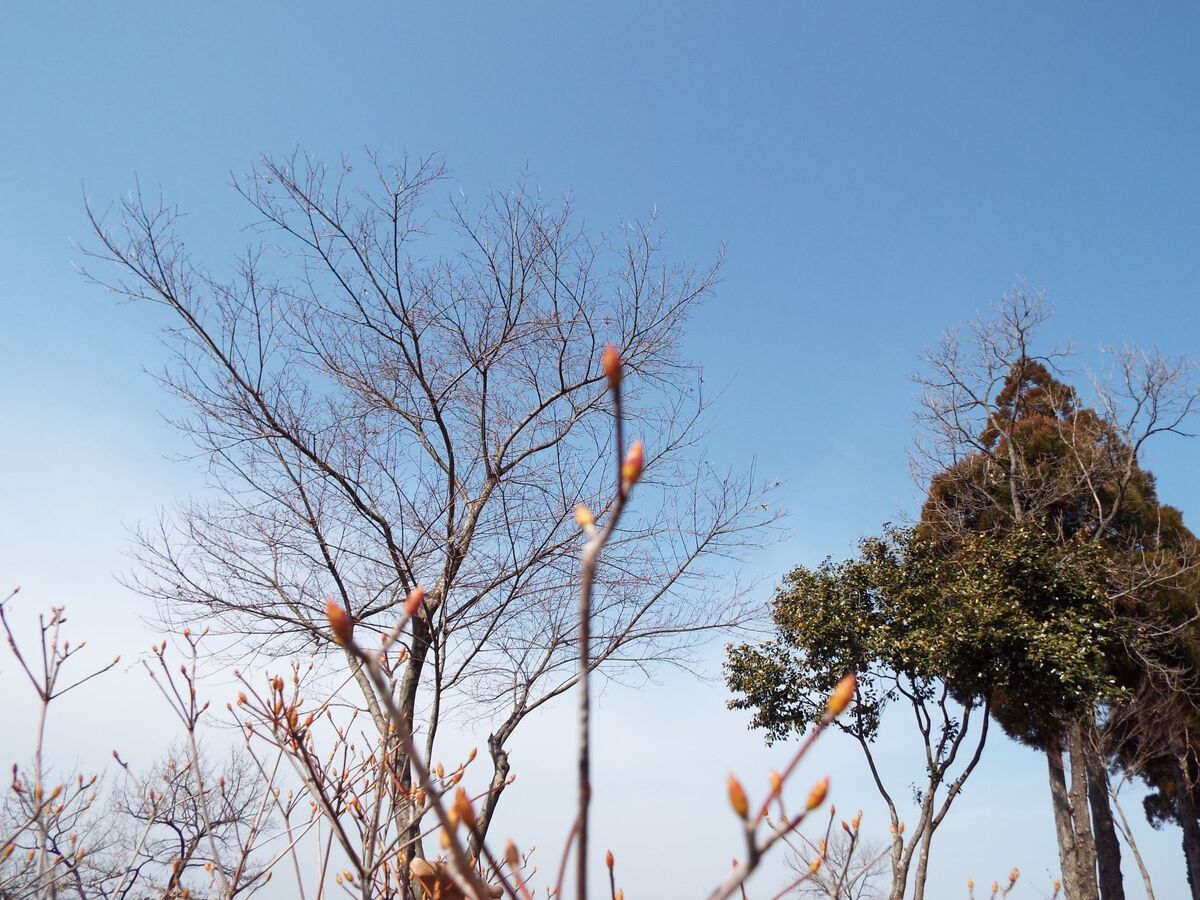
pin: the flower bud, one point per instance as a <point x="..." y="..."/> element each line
<point x="631" y="468"/>
<point x="340" y="623"/>
<point x="817" y="795"/>
<point x="815" y="865"/>
<point x="610" y="361"/>
<point x="584" y="517"/>
<point x="608" y="859"/>
<point x="466" y="811"/>
<point x="414" y="601"/>
<point x="511" y="856"/>
<point x="737" y="797"/>
<point x="842" y="695"/>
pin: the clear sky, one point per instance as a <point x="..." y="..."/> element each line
<point x="878" y="172"/>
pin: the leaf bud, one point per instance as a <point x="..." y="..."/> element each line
<point x="610" y="361"/>
<point x="817" y="795"/>
<point x="842" y="695"/>
<point x="339" y="623"/>
<point x="631" y="468"/>
<point x="737" y="797"/>
<point x="583" y="517"/>
<point x="415" y="600"/>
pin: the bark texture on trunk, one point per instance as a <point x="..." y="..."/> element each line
<point x="1127" y="833"/>
<point x="1085" y="843"/>
<point x="1186" y="808"/>
<point x="1064" y="829"/>
<point x="899" y="866"/>
<point x="1072" y="823"/>
<point x="1108" y="846"/>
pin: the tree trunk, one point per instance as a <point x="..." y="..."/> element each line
<point x="1063" y="828"/>
<point x="1127" y="833"/>
<point x="1108" y="846"/>
<point x="407" y="704"/>
<point x="899" y="881"/>
<point x="1186" y="807"/>
<point x="1085" y="844"/>
<point x="922" y="864"/>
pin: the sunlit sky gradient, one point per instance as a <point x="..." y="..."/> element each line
<point x="877" y="172"/>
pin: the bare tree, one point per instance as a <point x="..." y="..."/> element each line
<point x="842" y="865"/>
<point x="174" y="837"/>
<point x="383" y="405"/>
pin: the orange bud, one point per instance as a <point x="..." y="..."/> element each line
<point x="631" y="468"/>
<point x="462" y="803"/>
<point x="970" y="884"/>
<point x="608" y="859"/>
<point x="737" y="797"/>
<point x="776" y="781"/>
<point x="995" y="887"/>
<point x="584" y="517"/>
<point x="817" y="795"/>
<point x="610" y="360"/>
<point x="842" y="695"/>
<point x="1014" y="875"/>
<point x="415" y="600"/>
<point x="620" y="895"/>
<point x="340" y="623"/>
<point x="511" y="856"/>
<point x="816" y="864"/>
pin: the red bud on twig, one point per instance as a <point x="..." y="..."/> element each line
<point x="817" y="795"/>
<point x="737" y="797"/>
<point x="631" y="468"/>
<point x="340" y="623"/>
<point x="415" y="600"/>
<point x="611" y="362"/>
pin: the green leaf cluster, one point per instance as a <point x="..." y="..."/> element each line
<point x="1016" y="617"/>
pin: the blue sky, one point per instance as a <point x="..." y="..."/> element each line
<point x="877" y="173"/>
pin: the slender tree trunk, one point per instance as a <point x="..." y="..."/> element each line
<point x="500" y="770"/>
<point x="1127" y="833"/>
<point x="899" y="879"/>
<point x="407" y="704"/>
<point x="1085" y="843"/>
<point x="1108" y="846"/>
<point x="1186" y="808"/>
<point x="1064" y="829"/>
<point x="922" y="864"/>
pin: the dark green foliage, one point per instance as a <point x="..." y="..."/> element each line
<point x="1014" y="616"/>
